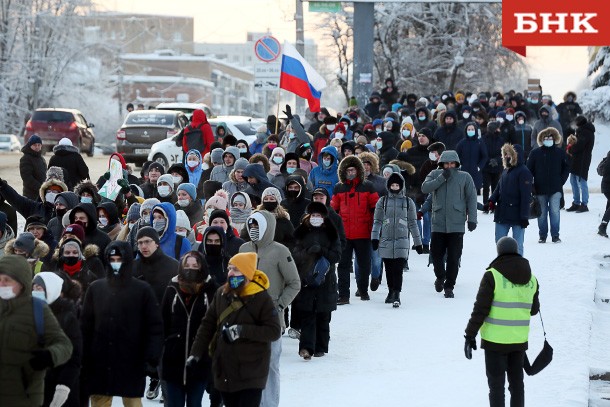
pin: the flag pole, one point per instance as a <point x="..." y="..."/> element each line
<point x="277" y="113"/>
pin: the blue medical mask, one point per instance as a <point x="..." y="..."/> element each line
<point x="470" y="133"/>
<point x="290" y="170"/>
<point x="39" y="294"/>
<point x="115" y="266"/>
<point x="421" y="118"/>
<point x="548" y="143"/>
<point x="236" y="281"/>
<point x="327" y="162"/>
<point x="86" y="199"/>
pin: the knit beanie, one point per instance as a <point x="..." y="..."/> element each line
<point x="55" y="173"/>
<point x="216" y="155"/>
<point x="507" y="245"/>
<point x="189" y="189"/>
<point x="74" y="244"/>
<point x="148" y="231"/>
<point x="182" y="220"/>
<point x="157" y="166"/>
<point x="148" y="205"/>
<point x="167" y="178"/>
<point x="240" y="164"/>
<point x="76" y="230"/>
<point x="220" y="200"/>
<point x="219" y="213"/>
<point x="133" y="214"/>
<point x="65" y="142"/>
<point x="34" y="139"/>
<point x="272" y="191"/>
<point x="25" y="242"/>
<point x="245" y="263"/>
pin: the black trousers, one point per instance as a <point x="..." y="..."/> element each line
<point x="490" y="180"/>
<point x="363" y="250"/>
<point x="452" y="244"/>
<point x="606" y="217"/>
<point x="497" y="366"/>
<point x="393" y="268"/>
<point x="315" y="331"/>
<point x="243" y="398"/>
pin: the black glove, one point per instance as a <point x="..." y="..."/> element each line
<point x="191" y="361"/>
<point x="124" y="185"/>
<point x="419" y="249"/>
<point x="41" y="360"/>
<point x="471" y="226"/>
<point x="375" y="244"/>
<point x="107" y="175"/>
<point x="231" y="333"/>
<point x="288" y="112"/>
<point x="525" y="223"/>
<point x="446" y="173"/>
<point x="469" y="345"/>
<point x="315" y="249"/>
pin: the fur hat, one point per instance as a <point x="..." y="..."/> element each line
<point x="330" y="120"/>
<point x="182" y="220"/>
<point x="438" y="146"/>
<point x="245" y="263"/>
<point x="507" y="245"/>
<point x="317" y="207"/>
<point x="372" y="159"/>
<point x="55" y="173"/>
<point x="189" y="189"/>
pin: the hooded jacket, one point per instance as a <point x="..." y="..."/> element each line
<point x="92" y="234"/>
<point x="276" y="261"/>
<point x="54" y="225"/>
<point x="473" y="157"/>
<point x="122" y="330"/>
<point x="568" y="111"/>
<point x="542" y="124"/>
<point x="354" y="200"/>
<point x="395" y="219"/>
<point x="581" y="151"/>
<point x="255" y="191"/>
<point x="420" y="124"/>
<point x="454" y="201"/>
<point x="157" y="270"/>
<point x="7" y="236"/>
<point x="198" y="135"/>
<point x="70" y="159"/>
<point x="322" y="177"/>
<point x="449" y="135"/>
<point x="88" y="186"/>
<point x="296" y="207"/>
<point x="221" y="173"/>
<point x="20" y="385"/>
<point x="517" y="270"/>
<point x="91" y="266"/>
<point x="196" y="175"/>
<point x="33" y="171"/>
<point x="523" y="133"/>
<point x="548" y="165"/>
<point x="180" y="169"/>
<point x="217" y="265"/>
<point x="114" y="222"/>
<point x="387" y="152"/>
<point x="513" y="194"/>
<point x="493" y="142"/>
<point x="167" y="239"/>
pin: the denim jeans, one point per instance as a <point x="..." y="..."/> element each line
<point x="549" y="205"/>
<point x="271" y="393"/>
<point x="518" y="234"/>
<point x="580" y="189"/>
<point x="178" y="395"/>
<point x="425" y="228"/>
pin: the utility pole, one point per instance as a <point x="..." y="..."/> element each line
<point x="300" y="46"/>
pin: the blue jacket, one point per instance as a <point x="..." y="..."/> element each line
<point x="168" y="239"/>
<point x="473" y="157"/>
<point x="514" y="191"/>
<point x="326" y="178"/>
<point x="195" y="173"/>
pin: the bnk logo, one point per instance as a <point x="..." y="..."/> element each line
<point x="559" y="22"/>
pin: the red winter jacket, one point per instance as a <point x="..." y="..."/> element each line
<point x="354" y="200"/>
<point x="199" y="123"/>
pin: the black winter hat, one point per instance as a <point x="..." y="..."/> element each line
<point x="426" y="132"/>
<point x="156" y="165"/>
<point x="317" y="207"/>
<point x="219" y="213"/>
<point x="35" y="220"/>
<point x="148" y="231"/>
<point x="210" y="187"/>
<point x="330" y="120"/>
<point x="580" y="120"/>
<point x="439" y="147"/>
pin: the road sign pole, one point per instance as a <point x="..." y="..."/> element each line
<point x="362" y="78"/>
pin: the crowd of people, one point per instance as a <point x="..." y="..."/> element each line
<point x="190" y="274"/>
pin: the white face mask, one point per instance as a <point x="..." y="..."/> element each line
<point x="243" y="150"/>
<point x="339" y="135"/>
<point x="500" y="120"/>
<point x="177" y="179"/>
<point x="164" y="190"/>
<point x="39" y="294"/>
<point x="278" y="160"/>
<point x="316" y="222"/>
<point x="50" y="197"/>
<point x="465" y="115"/>
<point x="192" y="163"/>
<point x="432" y="156"/>
<point x="509" y="117"/>
<point x="183" y="234"/>
<point x="6" y="293"/>
<point x="205" y="166"/>
<point x="330" y="127"/>
<point x="183" y="202"/>
<point x="103" y="221"/>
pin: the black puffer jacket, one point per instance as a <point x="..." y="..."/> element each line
<point x="581" y="151"/>
<point x="296" y="207"/>
<point x="92" y="234"/>
<point x="157" y="270"/>
<point x="69" y="158"/>
<point x="33" y="171"/>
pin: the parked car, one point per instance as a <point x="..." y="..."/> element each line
<point x="54" y="124"/>
<point x="167" y="153"/>
<point x="9" y="142"/>
<point x="186" y="108"/>
<point x="143" y="128"/>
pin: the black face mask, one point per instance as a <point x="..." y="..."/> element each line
<point x="292" y="194"/>
<point x="270" y="206"/>
<point x="213" y="249"/>
<point x="69" y="261"/>
<point x="61" y="212"/>
<point x="191" y="275"/>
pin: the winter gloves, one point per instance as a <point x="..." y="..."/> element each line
<point x="525" y="223"/>
<point x="231" y="333"/>
<point x="288" y="112"/>
<point x="471" y="226"/>
<point x="469" y="345"/>
<point x="419" y="249"/>
<point x="41" y="360"/>
<point x="124" y="186"/>
<point x="446" y="173"/>
<point x="375" y="244"/>
<point x="61" y="395"/>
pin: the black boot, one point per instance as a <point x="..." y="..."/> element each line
<point x="602" y="229"/>
<point x="396" y="302"/>
<point x="390" y="298"/>
<point x="573" y="208"/>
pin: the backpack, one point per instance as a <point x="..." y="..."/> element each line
<point x="38" y="307"/>
<point x="601" y="167"/>
<point x="317" y="274"/>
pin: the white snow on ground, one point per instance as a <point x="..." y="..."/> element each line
<point x="414" y="355"/>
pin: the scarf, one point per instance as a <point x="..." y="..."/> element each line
<point x="72" y="270"/>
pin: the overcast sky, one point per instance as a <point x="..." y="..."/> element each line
<point x="559" y="68"/>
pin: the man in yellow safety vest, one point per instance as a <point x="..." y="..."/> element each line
<point x="507" y="297"/>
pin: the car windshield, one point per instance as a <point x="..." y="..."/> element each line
<point x="5" y="139"/>
<point x="52" y="116"/>
<point x="248" y="128"/>
<point x="148" y="119"/>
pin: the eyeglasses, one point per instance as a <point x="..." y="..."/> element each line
<point x="145" y="242"/>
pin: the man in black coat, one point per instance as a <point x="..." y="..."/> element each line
<point x="122" y="331"/>
<point x="295" y="202"/>
<point x="85" y="214"/>
<point x="32" y="167"/>
<point x="581" y="150"/>
<point x="67" y="156"/>
<point x="220" y="218"/>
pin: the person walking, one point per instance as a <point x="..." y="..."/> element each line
<point x="504" y="326"/>
<point x="580" y="151"/>
<point x="454" y="203"/>
<point x="32" y="167"/>
<point x="68" y="157"/>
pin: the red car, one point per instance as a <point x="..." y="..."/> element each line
<point x="54" y="124"/>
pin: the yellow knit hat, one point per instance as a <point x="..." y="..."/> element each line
<point x="246" y="264"/>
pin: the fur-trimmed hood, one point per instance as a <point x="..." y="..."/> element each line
<point x="261" y="158"/>
<point x="350" y="161"/>
<point x="404" y="166"/>
<point x="546" y="132"/>
<point x="87" y="185"/>
<point x="569" y="93"/>
<point x="90" y="251"/>
<point x="514" y="153"/>
<point x="65" y="149"/>
<point x="372" y="158"/>
<point x="45" y="185"/>
<point x="41" y="249"/>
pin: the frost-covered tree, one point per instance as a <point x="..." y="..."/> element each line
<point x="596" y="102"/>
<point x="433" y="47"/>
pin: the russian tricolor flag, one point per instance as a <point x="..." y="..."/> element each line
<point x="298" y="77"/>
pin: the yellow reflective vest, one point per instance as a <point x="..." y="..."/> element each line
<point x="508" y="321"/>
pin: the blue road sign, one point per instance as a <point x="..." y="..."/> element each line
<point x="267" y="49"/>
